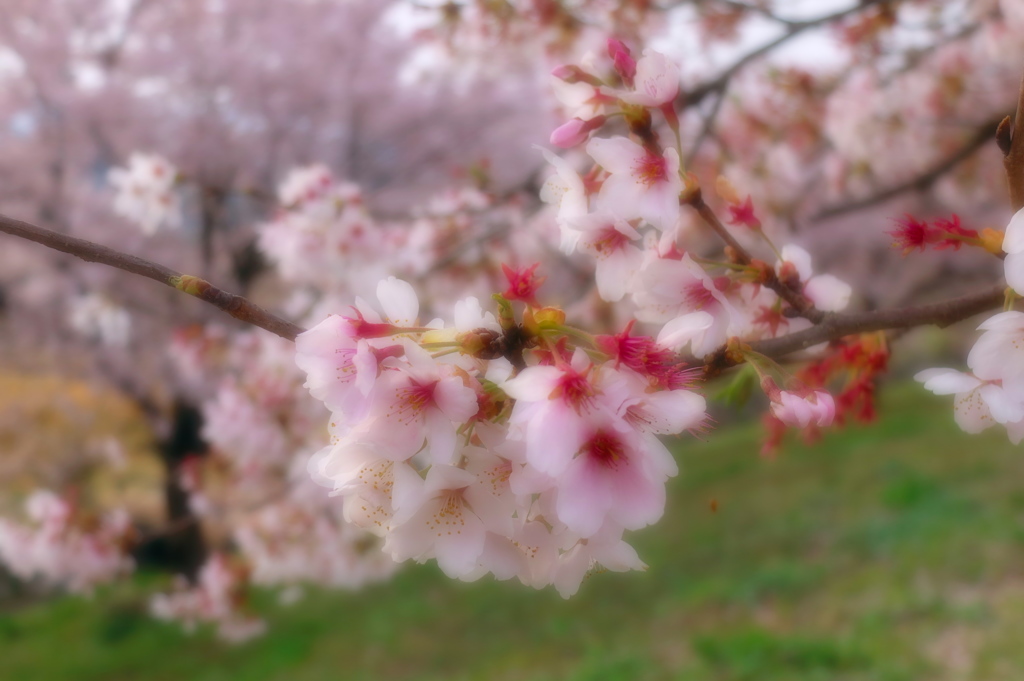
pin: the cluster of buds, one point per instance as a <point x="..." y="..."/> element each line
<point x="626" y="212"/>
<point x="514" y="446"/>
<point x="261" y="425"/>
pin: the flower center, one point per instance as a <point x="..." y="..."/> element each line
<point x="606" y="449"/>
<point x="607" y="241"/>
<point x="574" y="389"/>
<point x="698" y="296"/>
<point x="651" y="169"/>
<point x="412" y="400"/>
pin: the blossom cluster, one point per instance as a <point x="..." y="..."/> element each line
<point x="63" y="546"/>
<point x="522" y="449"/>
<point x="262" y="426"/>
<point x="322" y="233"/>
<point x="218" y="598"/>
<point x="626" y="213"/>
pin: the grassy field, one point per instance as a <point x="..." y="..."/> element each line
<point x="888" y="553"/>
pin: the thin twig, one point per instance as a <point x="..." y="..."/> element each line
<point x="803" y="307"/>
<point x="793" y="28"/>
<point x="835" y="326"/>
<point x="236" y="306"/>
<point x="921" y="182"/>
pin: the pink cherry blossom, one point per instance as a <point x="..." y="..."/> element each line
<point x="610" y="241"/>
<point x="642" y="184"/>
<point x="606" y="550"/>
<point x="446" y="516"/>
<point x="575" y="131"/>
<point x="145" y="192"/>
<point x="816" y="408"/>
<point x="656" y="81"/>
<point x="826" y="291"/>
<point x="610" y="479"/>
<point x="416" y="400"/>
<point x="1013" y="246"/>
<point x="555" y="406"/>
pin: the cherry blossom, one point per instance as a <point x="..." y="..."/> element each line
<point x="642" y="183"/>
<point x="96" y="316"/>
<point x="609" y="240"/>
<point x="145" y="192"/>
<point x="827" y="292"/>
<point x="817" y="408"/>
<point x="998" y="354"/>
<point x="977" y="404"/>
<point x="1013" y="246"/>
<point x="218" y="598"/>
<point x="424" y="416"/>
<point x="62" y="546"/>
<point x="656" y="81"/>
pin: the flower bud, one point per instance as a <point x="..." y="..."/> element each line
<point x="479" y="343"/>
<point x="550" y="315"/>
<point x="625" y="65"/>
<point x="789" y="275"/>
<point x="575" y="132"/>
<point x="570" y="73"/>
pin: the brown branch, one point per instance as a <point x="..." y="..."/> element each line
<point x="921" y="182"/>
<point x="835" y="326"/>
<point x="236" y="306"/>
<point x="1013" y="159"/>
<point x="800" y="304"/>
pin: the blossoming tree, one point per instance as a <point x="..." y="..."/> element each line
<point x="437" y="398"/>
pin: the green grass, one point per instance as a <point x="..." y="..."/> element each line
<point x="888" y="553"/>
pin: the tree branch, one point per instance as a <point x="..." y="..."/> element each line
<point x="800" y="304"/>
<point x="793" y="28"/>
<point x="1013" y="159"/>
<point x="835" y="325"/>
<point x="925" y="180"/>
<point x="236" y="306"/>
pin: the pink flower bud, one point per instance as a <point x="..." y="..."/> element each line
<point x="625" y="65"/>
<point x="818" y="409"/>
<point x="575" y="131"/>
<point x="571" y="73"/>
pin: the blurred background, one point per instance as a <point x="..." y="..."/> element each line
<point x="890" y="549"/>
